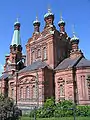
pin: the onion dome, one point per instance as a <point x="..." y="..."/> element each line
<point x="74" y="39"/>
<point x="36" y="22"/>
<point x="17" y="23"/>
<point x="16" y="40"/>
<point x="48" y="14"/>
<point x="61" y="22"/>
<point x="36" y="25"/>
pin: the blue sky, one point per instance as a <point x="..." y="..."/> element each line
<point x="75" y="12"/>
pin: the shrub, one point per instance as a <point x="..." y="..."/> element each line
<point x="83" y="110"/>
<point x="62" y="109"/>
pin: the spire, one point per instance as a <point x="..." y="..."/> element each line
<point x="16" y="40"/>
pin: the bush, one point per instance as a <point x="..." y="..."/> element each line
<point x="62" y="109"/>
<point x="47" y="110"/>
<point x="83" y="110"/>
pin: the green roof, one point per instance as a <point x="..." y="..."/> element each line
<point x="60" y="22"/>
<point x="16" y="23"/>
<point x="16" y="38"/>
<point x="49" y="13"/>
<point x="74" y="38"/>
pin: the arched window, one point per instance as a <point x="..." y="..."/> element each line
<point x="33" y="56"/>
<point x="61" y="90"/>
<point x="21" y="92"/>
<point x="27" y="92"/>
<point x="38" y="53"/>
<point x="83" y="86"/>
<point x="88" y="83"/>
<point x="34" y="91"/>
<point x="44" y="53"/>
<point x="12" y="92"/>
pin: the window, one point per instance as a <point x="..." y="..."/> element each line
<point x="38" y="53"/>
<point x="61" y="90"/>
<point x="13" y="59"/>
<point x="33" y="56"/>
<point x="44" y="53"/>
<point x="28" y="58"/>
<point x="21" y="92"/>
<point x="27" y="92"/>
<point x="88" y="83"/>
<point x="34" y="92"/>
<point x="12" y="92"/>
<point x="83" y="86"/>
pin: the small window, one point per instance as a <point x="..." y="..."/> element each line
<point x="34" y="92"/>
<point x="61" y="90"/>
<point x="12" y="92"/>
<point x="27" y="92"/>
<point x="44" y="53"/>
<point x="21" y="92"/>
<point x="88" y="84"/>
<point x="13" y="59"/>
<point x="33" y="56"/>
<point x="38" y="53"/>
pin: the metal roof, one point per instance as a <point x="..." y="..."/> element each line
<point x="67" y="63"/>
<point x="16" y="35"/>
<point x="4" y="76"/>
<point x="83" y="63"/>
<point x="35" y="66"/>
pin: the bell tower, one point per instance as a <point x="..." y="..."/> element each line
<point x="14" y="60"/>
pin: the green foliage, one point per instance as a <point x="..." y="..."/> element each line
<point x="61" y="118"/>
<point x="7" y="109"/>
<point x="47" y="110"/>
<point x="6" y="105"/>
<point x="83" y="110"/>
<point x="64" y="108"/>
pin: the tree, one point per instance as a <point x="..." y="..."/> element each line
<point x="6" y="107"/>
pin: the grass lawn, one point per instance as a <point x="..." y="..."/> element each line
<point x="63" y="118"/>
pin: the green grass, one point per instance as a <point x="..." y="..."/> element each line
<point x="63" y="118"/>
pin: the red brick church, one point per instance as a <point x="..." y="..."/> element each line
<point x="54" y="66"/>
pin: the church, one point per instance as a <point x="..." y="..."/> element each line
<point x="53" y="66"/>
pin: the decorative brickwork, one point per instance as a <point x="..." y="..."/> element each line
<point x="55" y="67"/>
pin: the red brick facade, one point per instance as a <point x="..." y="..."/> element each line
<point x="62" y="70"/>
